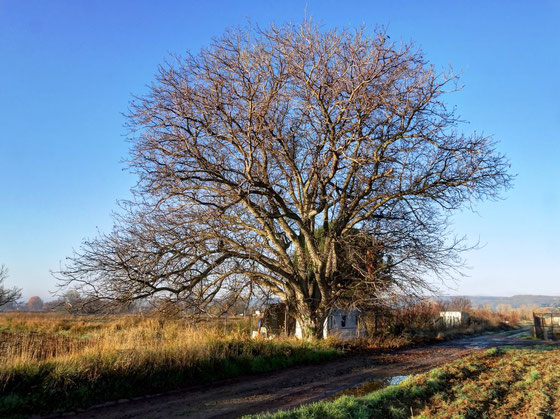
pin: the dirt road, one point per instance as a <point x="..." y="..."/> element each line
<point x="295" y="386"/>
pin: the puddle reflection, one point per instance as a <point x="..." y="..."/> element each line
<point x="369" y="386"/>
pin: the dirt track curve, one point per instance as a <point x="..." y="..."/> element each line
<point x="295" y="386"/>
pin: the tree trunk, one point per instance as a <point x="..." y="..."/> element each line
<point x="311" y="322"/>
<point x="310" y="329"/>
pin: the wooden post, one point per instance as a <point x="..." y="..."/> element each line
<point x="535" y="334"/>
<point x="286" y="320"/>
<point x="551" y="325"/>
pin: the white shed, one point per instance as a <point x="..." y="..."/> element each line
<point x="345" y="324"/>
<point x="454" y="318"/>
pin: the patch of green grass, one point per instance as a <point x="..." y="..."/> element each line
<point x="390" y="402"/>
<point x="495" y="383"/>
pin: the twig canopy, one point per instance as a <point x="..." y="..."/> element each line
<point x="319" y="165"/>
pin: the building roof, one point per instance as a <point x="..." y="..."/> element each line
<point x="555" y="311"/>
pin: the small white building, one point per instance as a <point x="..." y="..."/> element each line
<point x="345" y="324"/>
<point x="454" y="318"/>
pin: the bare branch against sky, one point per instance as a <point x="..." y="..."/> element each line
<point x="300" y="160"/>
<point x="7" y="295"/>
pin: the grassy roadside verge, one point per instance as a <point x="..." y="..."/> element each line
<point x="496" y="383"/>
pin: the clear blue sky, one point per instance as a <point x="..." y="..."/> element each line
<point x="68" y="69"/>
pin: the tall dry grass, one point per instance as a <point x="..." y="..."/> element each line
<point x="56" y="362"/>
<point x="35" y="337"/>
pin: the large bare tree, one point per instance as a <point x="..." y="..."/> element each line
<point x="320" y="165"/>
<point x="7" y="295"/>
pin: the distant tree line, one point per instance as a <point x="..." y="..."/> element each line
<point x="72" y="302"/>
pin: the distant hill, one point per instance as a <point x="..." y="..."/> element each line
<point x="515" y="301"/>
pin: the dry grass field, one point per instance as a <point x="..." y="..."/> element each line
<point x="52" y="362"/>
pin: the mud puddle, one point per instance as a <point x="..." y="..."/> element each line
<point x="369" y="387"/>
